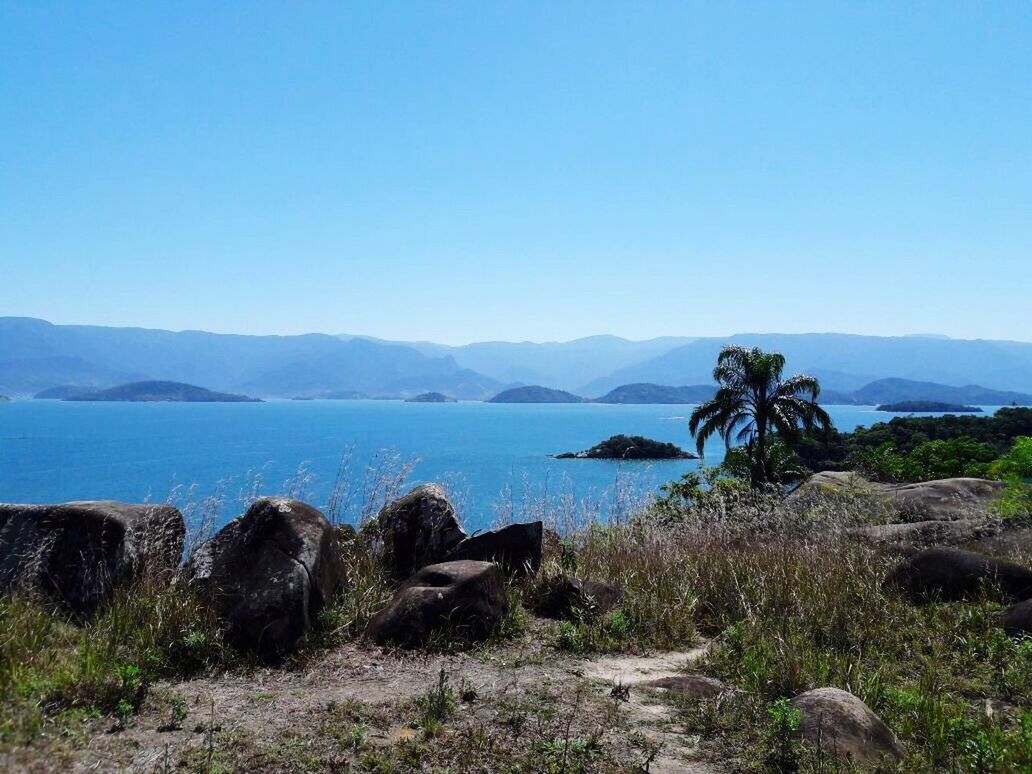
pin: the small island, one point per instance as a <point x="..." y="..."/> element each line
<point x="535" y="394"/>
<point x="918" y="406"/>
<point x="4" y="399"/>
<point x="630" y="447"/>
<point x="161" y="392"/>
<point x="336" y="395"/>
<point x="657" y="394"/>
<point x="431" y="397"/>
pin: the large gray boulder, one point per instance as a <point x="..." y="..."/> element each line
<point x="947" y="499"/>
<point x="842" y="726"/>
<point x="949" y="574"/>
<point x="418" y="529"/>
<point x="269" y="573"/>
<point x="516" y="548"/>
<point x="78" y="553"/>
<point x="464" y="599"/>
<point x="924" y="534"/>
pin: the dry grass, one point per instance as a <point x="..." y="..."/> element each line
<point x="792" y="601"/>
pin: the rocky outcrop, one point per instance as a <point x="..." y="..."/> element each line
<point x="516" y="548"/>
<point x="565" y="598"/>
<point x="466" y="599"/>
<point x="948" y="574"/>
<point x="947" y="499"/>
<point x="269" y="573"/>
<point x="1017" y="619"/>
<point x="418" y="529"/>
<point x="841" y="725"/>
<point x="78" y="553"/>
<point x="924" y="534"/>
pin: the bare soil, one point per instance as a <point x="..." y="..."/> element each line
<point x="513" y="698"/>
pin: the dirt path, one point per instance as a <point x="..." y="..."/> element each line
<point x="299" y="719"/>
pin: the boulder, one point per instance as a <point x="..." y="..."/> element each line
<point x="949" y="574"/>
<point x="78" y="553"/>
<point x="418" y="529"/>
<point x="464" y="598"/>
<point x="841" y="725"/>
<point x="269" y="573"/>
<point x="947" y="499"/>
<point x="575" y="597"/>
<point x="924" y="534"/>
<point x="517" y="548"/>
<point x="1017" y="619"/>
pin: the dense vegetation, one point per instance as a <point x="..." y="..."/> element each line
<point x="959" y="441"/>
<point x="630" y="447"/>
<point x="431" y="397"/>
<point x="918" y="406"/>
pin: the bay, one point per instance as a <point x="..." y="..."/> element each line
<point x="491" y="456"/>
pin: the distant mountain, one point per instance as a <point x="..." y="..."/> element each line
<point x="431" y="397"/>
<point x="896" y="390"/>
<point x="535" y="394"/>
<point x="844" y="361"/>
<point x="558" y="364"/>
<point x="4" y="399"/>
<point x="36" y="355"/>
<point x="658" y="393"/>
<point x="926" y="406"/>
<point x="161" y="392"/>
<point x="62" y="392"/>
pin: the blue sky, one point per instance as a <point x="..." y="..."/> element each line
<point x="470" y="171"/>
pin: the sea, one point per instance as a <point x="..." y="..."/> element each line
<point x="344" y="456"/>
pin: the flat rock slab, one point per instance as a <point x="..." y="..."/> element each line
<point x="637" y="670"/>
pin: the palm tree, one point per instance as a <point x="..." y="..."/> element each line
<point x="758" y="408"/>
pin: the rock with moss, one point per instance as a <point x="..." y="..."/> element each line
<point x="630" y="447"/>
<point x="78" y="553"/>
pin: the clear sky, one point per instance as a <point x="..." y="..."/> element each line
<point x="546" y="170"/>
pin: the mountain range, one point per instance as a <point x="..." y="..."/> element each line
<point x="36" y="355"/>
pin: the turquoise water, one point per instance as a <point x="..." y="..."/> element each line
<point x="52" y="451"/>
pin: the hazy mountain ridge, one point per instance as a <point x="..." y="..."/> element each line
<point x="563" y="365"/>
<point x="844" y="360"/>
<point x="36" y="355"/>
